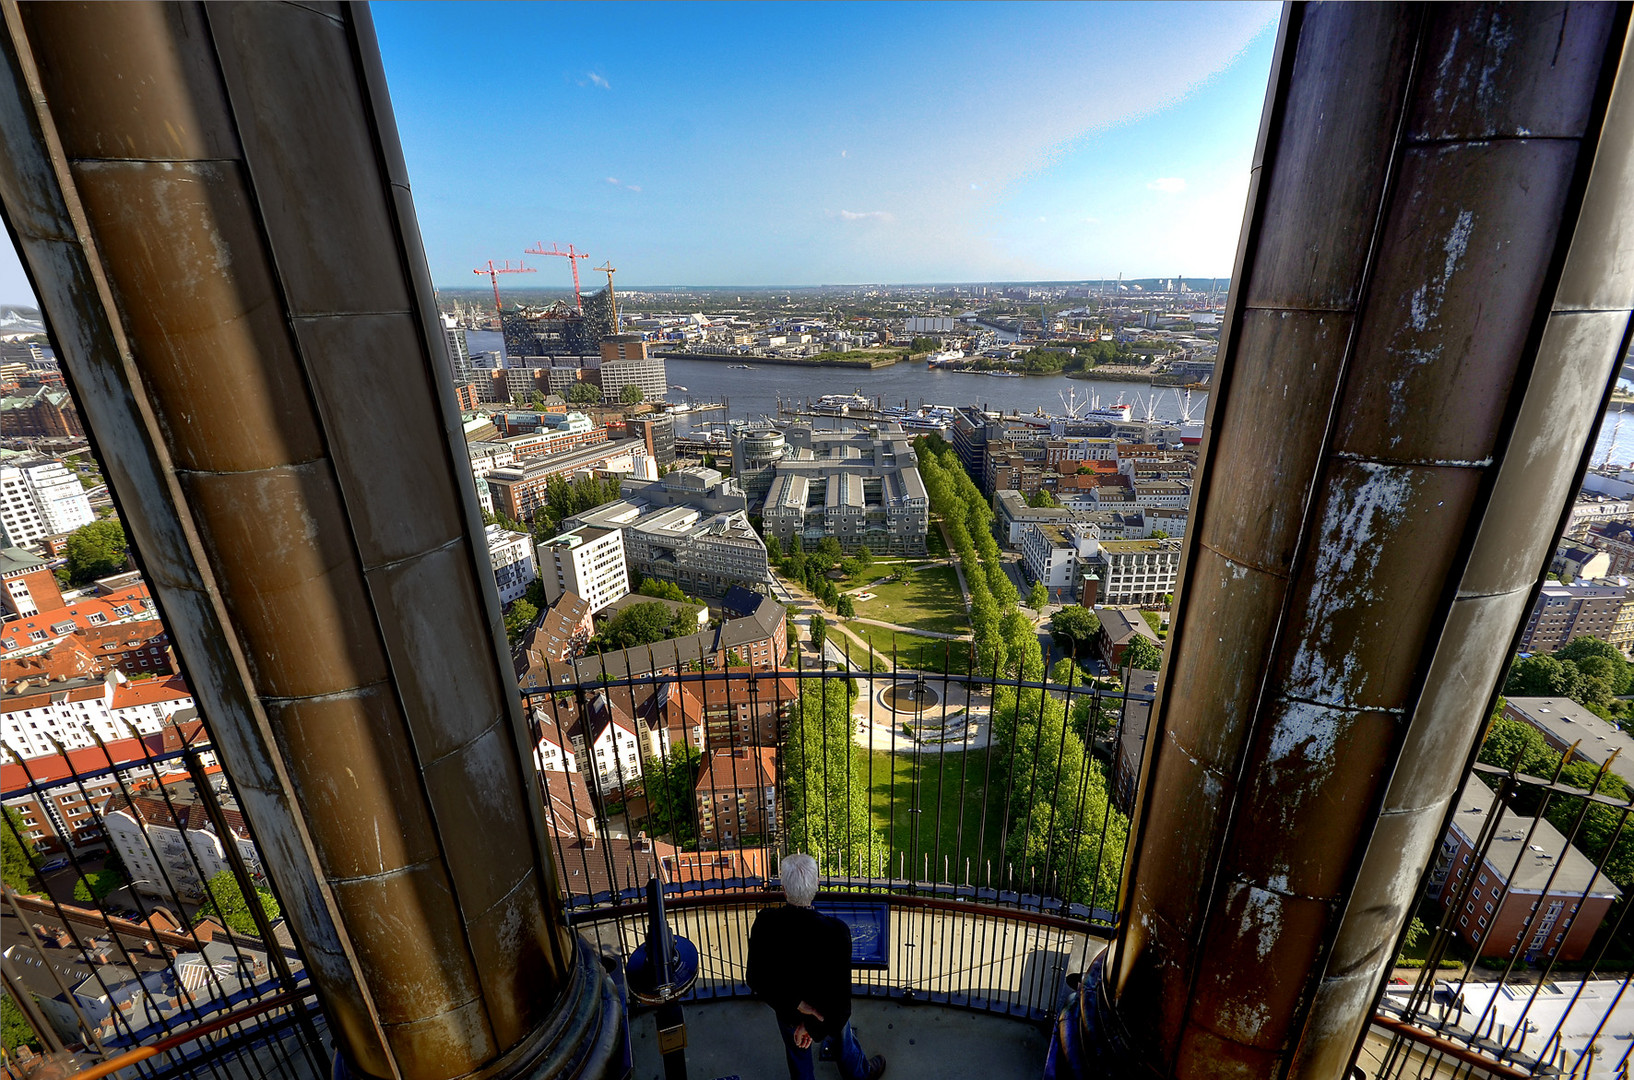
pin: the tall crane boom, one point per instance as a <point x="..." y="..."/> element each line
<point x="572" y="258"/>
<point x="609" y="269"/>
<point x="493" y="273"/>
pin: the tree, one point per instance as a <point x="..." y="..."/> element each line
<point x="774" y="549"/>
<point x="1038" y="596"/>
<point x="828" y="800"/>
<point x="1043" y="500"/>
<point x="865" y="558"/>
<point x="97" y="884"/>
<point x="819" y="631"/>
<point x="1512" y="744"/>
<point x="14" y="1029"/>
<point x="643" y="624"/>
<point x="537" y="401"/>
<point x="1143" y="654"/>
<point x="1543" y="676"/>
<point x="583" y="393"/>
<point x="518" y="619"/>
<point x="225" y="900"/>
<point x="16" y="862"/>
<point x="95" y="550"/>
<point x="1159" y="534"/>
<point x="670" y="785"/>
<point x="1074" y="629"/>
<point x="846" y="609"/>
<point x="662" y="590"/>
<point x="830" y="546"/>
<point x="631" y="395"/>
<point x="1601" y="658"/>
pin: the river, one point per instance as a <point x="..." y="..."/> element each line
<point x="754" y="393"/>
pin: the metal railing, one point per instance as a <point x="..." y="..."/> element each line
<point x="1526" y="957"/>
<point x="167" y="973"/>
<point x="980" y="812"/>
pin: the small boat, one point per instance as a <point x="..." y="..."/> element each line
<point x="739" y="367"/>
<point x="682" y="407"/>
<point x="678" y="388"/>
<point x="1005" y="374"/>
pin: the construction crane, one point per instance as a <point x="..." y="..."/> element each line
<point x="609" y="269"/>
<point x="493" y="273"/>
<point x="572" y="258"/>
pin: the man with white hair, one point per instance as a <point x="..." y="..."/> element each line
<point x="800" y="965"/>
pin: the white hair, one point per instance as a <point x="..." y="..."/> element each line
<point x="799" y="879"/>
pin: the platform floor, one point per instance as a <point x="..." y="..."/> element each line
<point x="737" y="1040"/>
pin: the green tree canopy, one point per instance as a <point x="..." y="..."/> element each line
<point x="663" y="590"/>
<point x="1074" y="628"/>
<point x="16" y="862"/>
<point x="631" y="395"/>
<point x="1038" y="596"/>
<point x="670" y="783"/>
<point x="819" y="631"/>
<point x="97" y="884"/>
<point x="1143" y="654"/>
<point x="583" y="393"/>
<point x="643" y="624"/>
<point x="519" y="618"/>
<point x="846" y="608"/>
<point x="1042" y="499"/>
<point x="563" y="499"/>
<point x="1543" y="676"/>
<point x="827" y="795"/>
<point x="95" y="550"/>
<point x="225" y="900"/>
<point x="14" y="1029"/>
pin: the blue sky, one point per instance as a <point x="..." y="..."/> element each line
<point x="819" y="143"/>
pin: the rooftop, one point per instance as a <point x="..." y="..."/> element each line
<point x="1528" y="856"/>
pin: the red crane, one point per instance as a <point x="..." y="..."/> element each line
<point x="572" y="258"/>
<point x="493" y="273"/>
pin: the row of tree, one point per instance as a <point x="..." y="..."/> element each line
<point x="812" y="569"/>
<point x="1591" y="672"/>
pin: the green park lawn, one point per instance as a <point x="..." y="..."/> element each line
<point x="951" y="799"/>
<point x="923" y="599"/>
<point x="911" y="650"/>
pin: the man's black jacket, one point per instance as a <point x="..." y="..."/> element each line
<point x="797" y="954"/>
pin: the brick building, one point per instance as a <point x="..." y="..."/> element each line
<point x="737" y="795"/>
<point x="45" y="412"/>
<point x="1534" y="895"/>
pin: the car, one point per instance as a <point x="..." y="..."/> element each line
<point x="54" y="865"/>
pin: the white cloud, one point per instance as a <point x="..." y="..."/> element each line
<point x="632" y="187"/>
<point x="866" y="215"/>
<point x="599" y="80"/>
<point x="1169" y="185"/>
<point x="613" y="180"/>
<point x="616" y="182"/>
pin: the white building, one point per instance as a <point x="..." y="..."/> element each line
<point x="1169" y="494"/>
<point x="511" y="555"/>
<point x="1136" y="571"/>
<point x="608" y="737"/>
<point x="40" y="497"/>
<point x="112" y="707"/>
<point x="587" y="562"/>
<point x="485" y="458"/>
<point x="1053" y="553"/>
<point x="149" y="831"/>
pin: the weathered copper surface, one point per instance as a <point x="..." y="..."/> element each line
<point x="1397" y="426"/>
<point x="213" y="205"/>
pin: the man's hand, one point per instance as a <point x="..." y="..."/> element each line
<point x="802" y="1038"/>
<point x="809" y="1010"/>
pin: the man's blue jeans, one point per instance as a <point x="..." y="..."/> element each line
<point x="802" y="1066"/>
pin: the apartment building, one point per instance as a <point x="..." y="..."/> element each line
<point x="42" y="412"/>
<point x="39" y="497"/>
<point x="737" y="795"/>
<point x="1563" y="612"/>
<point x="861" y="487"/>
<point x="35" y="718"/>
<point x="1534" y="896"/>
<point x="518" y="490"/>
<point x="1616" y="539"/>
<point x="512" y="558"/>
<point x="170" y="837"/>
<point x="587" y="561"/>
<point x="1052" y="554"/>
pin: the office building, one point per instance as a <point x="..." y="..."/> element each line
<point x="691" y="528"/>
<point x="459" y="353"/>
<point x="511" y="556"/>
<point x="39" y="497"/>
<point x="1563" y="612"/>
<point x="755" y="454"/>
<point x="518" y="490"/>
<point x="861" y="487"/>
<point x="657" y="433"/>
<point x="586" y="561"/>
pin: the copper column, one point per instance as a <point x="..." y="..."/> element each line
<point x="1432" y="290"/>
<point x="213" y="207"/>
